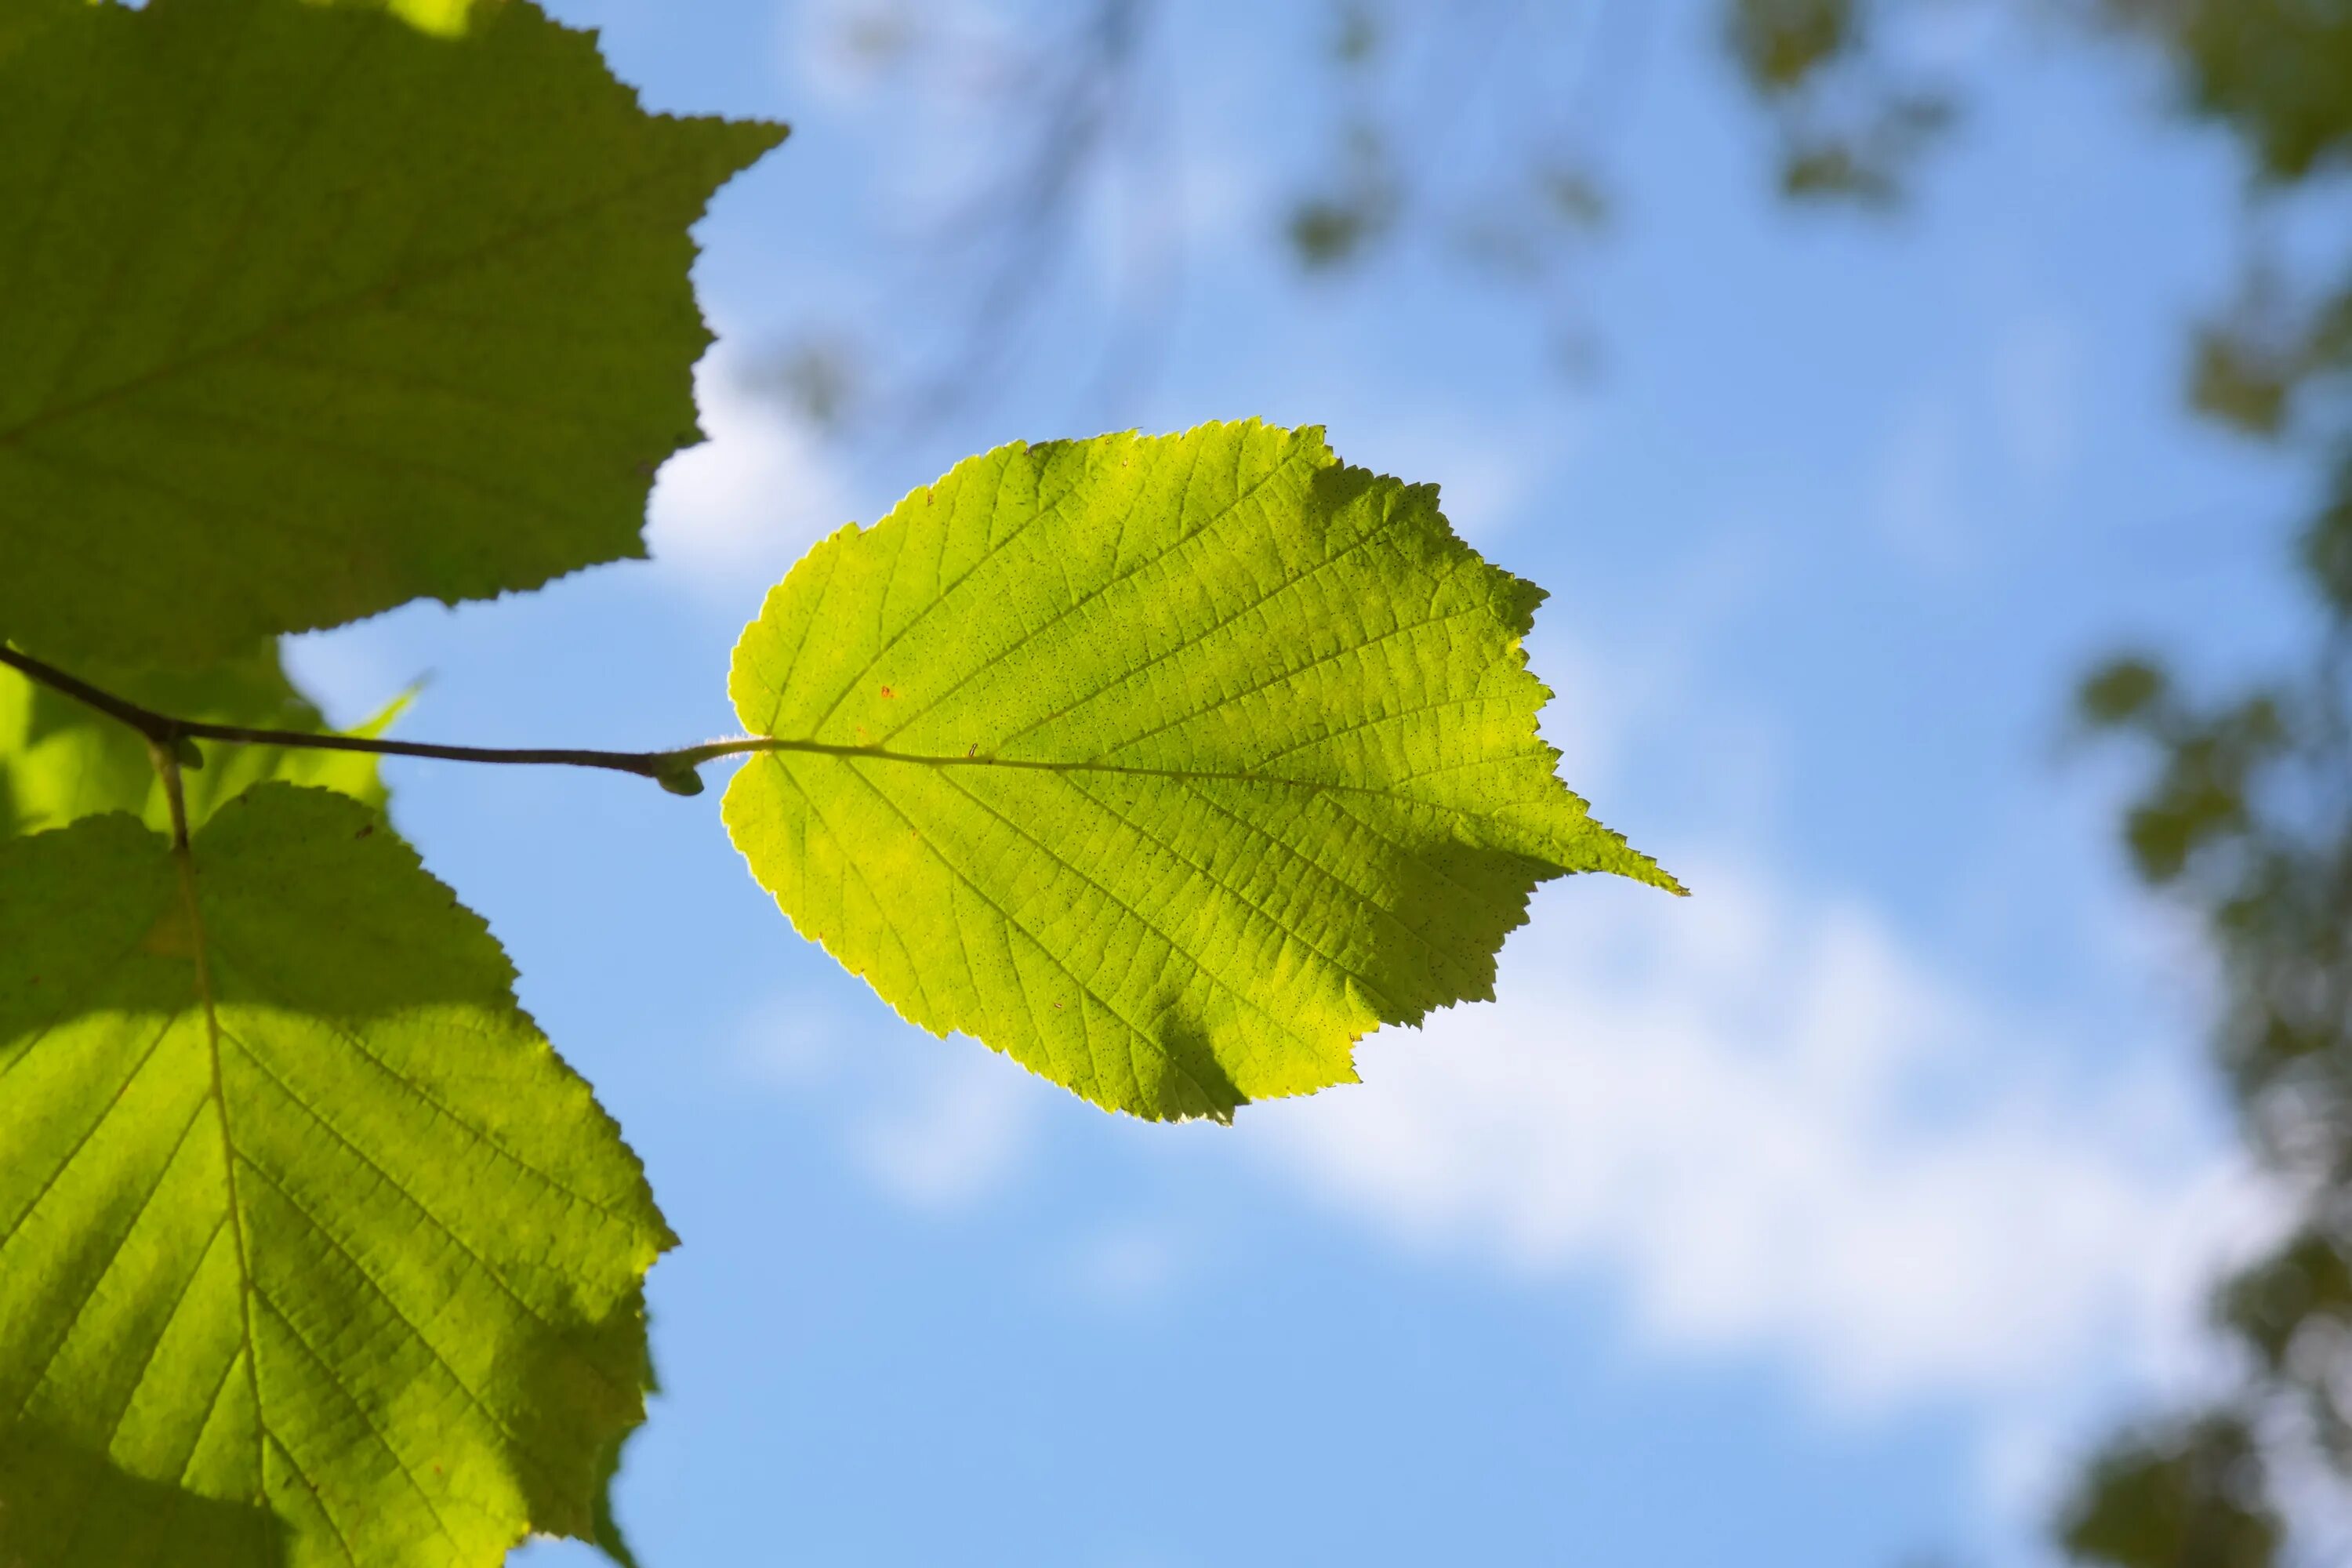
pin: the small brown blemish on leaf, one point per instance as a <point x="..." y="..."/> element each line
<point x="170" y="937"/>
<point x="886" y="692"/>
<point x="365" y="828"/>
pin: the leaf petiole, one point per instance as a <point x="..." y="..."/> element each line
<point x="674" y="770"/>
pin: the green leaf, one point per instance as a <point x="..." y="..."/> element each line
<point x="22" y="18"/>
<point x="59" y="762"/>
<point x="1168" y="766"/>
<point x="2192" y="1495"/>
<point x="300" y="1216"/>
<point x="309" y="310"/>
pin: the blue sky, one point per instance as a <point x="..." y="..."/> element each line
<point x="1815" y="1220"/>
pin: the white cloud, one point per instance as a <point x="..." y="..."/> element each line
<point x="351" y="671"/>
<point x="935" y="1124"/>
<point x="955" y="1130"/>
<point x="1780" y="1132"/>
<point x="747" y="504"/>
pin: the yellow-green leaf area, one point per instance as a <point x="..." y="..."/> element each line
<point x="60" y="762"/>
<point x="311" y="310"/>
<point x="1168" y="766"/>
<point x="311" y="1250"/>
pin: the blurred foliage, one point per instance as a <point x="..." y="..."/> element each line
<point x="2278" y="72"/>
<point x="2189" y="1497"/>
<point x="1780" y="44"/>
<point x="2245" y="816"/>
<point x="1334" y="226"/>
<point x="1474" y="128"/>
<point x="819" y="378"/>
<point x="1050" y="123"/>
<point x="2246" y="811"/>
<point x="1478" y="131"/>
<point x="1851" y="125"/>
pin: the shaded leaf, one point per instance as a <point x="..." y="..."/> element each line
<point x="54" y="1492"/>
<point x="59" y="762"/>
<point x="300" y="1214"/>
<point x="2237" y="380"/>
<point x="2327" y="544"/>
<point x="2303" y="1283"/>
<point x="2274" y="70"/>
<point x="1781" y="44"/>
<point x="2189" y="1497"/>
<point x="311" y="309"/>
<point x="1168" y="766"/>
<point x="2126" y="689"/>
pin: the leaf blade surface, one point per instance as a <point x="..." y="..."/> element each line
<point x="1169" y="766"/>
<point x="311" y="310"/>
<point x="300" y="1216"/>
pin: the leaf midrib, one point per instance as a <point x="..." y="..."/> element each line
<point x="1390" y="790"/>
<point x="185" y="860"/>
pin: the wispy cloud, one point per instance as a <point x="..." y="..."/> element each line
<point x="747" y="502"/>
<point x="934" y="1124"/>
<point x="1780" y="1134"/>
<point x="961" y="1134"/>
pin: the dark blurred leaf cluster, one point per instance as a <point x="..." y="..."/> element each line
<point x="1475" y="131"/>
<point x="1473" y="128"/>
<point x="1851" y="123"/>
<point x="2245" y="815"/>
<point x="1052" y="116"/>
<point x="2186" y="1497"/>
<point x="2275" y="70"/>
